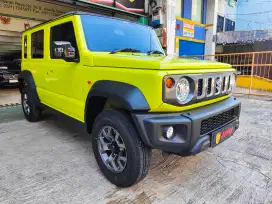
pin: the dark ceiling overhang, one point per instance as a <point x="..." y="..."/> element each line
<point x="95" y="7"/>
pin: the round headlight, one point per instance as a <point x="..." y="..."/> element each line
<point x="182" y="90"/>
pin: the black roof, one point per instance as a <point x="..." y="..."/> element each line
<point x="75" y="13"/>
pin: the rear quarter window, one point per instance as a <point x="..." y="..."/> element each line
<point x="37" y="44"/>
<point x="25" y="47"/>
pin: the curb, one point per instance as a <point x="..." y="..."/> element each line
<point x="8" y="105"/>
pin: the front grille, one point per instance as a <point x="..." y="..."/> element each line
<point x="211" y="85"/>
<point x="214" y="122"/>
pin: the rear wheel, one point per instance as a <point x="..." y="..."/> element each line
<point x="31" y="111"/>
<point x="119" y="152"/>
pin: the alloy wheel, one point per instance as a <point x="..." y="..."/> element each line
<point x="26" y="104"/>
<point x="112" y="149"/>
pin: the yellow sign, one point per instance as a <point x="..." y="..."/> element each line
<point x="188" y="30"/>
<point x="217" y="138"/>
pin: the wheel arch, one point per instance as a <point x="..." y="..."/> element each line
<point x="26" y="77"/>
<point x="106" y="94"/>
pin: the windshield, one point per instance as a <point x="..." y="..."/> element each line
<point x="108" y="34"/>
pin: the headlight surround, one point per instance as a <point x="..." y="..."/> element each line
<point x="232" y="81"/>
<point x="192" y="88"/>
<point x="182" y="90"/>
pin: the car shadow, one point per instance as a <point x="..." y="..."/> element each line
<point x="67" y="124"/>
<point x="74" y="128"/>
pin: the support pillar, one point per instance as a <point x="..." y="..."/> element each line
<point x="212" y="10"/>
<point x="171" y="26"/>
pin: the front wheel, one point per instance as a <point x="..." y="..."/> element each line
<point x="119" y="152"/>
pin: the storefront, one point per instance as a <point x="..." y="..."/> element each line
<point x="17" y="15"/>
<point x="190" y="27"/>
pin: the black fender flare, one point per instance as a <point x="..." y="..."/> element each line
<point x="128" y="96"/>
<point x="125" y="96"/>
<point x="26" y="77"/>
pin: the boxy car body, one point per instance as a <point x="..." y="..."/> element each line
<point x="113" y="76"/>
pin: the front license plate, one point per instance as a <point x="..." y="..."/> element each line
<point x="13" y="81"/>
<point x="222" y="134"/>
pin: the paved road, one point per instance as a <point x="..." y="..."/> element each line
<point x="52" y="162"/>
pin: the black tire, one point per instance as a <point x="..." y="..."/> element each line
<point x="34" y="114"/>
<point x="138" y="154"/>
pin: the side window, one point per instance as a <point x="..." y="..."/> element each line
<point x="220" y="23"/>
<point x="230" y="25"/>
<point x="62" y="35"/>
<point x="25" y="47"/>
<point x="37" y="41"/>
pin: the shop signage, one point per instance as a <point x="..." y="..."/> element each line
<point x="26" y="26"/>
<point x="188" y="30"/>
<point x="135" y="6"/>
<point x="5" y="20"/>
<point x="231" y="3"/>
<point x="32" y="9"/>
<point x="45" y="11"/>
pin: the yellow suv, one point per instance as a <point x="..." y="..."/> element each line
<point x="114" y="76"/>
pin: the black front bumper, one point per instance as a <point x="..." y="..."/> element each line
<point x="192" y="128"/>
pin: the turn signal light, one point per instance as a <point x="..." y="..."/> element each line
<point x="169" y="82"/>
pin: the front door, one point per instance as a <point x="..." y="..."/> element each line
<point x="62" y="77"/>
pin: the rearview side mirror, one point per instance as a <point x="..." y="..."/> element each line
<point x="64" y="50"/>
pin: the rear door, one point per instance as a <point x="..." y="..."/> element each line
<point x="34" y="58"/>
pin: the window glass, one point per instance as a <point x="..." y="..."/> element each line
<point x="220" y="24"/>
<point x="37" y="40"/>
<point x="60" y="35"/>
<point x="179" y="4"/>
<point x="25" y="47"/>
<point x="229" y="25"/>
<point x="107" y="34"/>
<point x="197" y="7"/>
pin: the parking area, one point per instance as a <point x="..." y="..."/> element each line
<point x="52" y="162"/>
<point x="9" y="95"/>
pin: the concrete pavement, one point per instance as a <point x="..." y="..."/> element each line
<point x="52" y="162"/>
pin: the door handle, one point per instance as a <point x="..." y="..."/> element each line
<point x="50" y="71"/>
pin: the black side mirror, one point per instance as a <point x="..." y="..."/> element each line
<point x="64" y="49"/>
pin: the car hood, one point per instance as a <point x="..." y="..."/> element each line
<point x="156" y="62"/>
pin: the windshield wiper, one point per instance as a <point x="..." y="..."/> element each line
<point x="154" y="52"/>
<point x="124" y="50"/>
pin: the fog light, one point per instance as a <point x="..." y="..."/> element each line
<point x="169" y="132"/>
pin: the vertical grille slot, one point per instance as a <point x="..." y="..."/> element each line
<point x="200" y="87"/>
<point x="209" y="86"/>
<point x="228" y="85"/>
<point x="218" y="85"/>
<point x="223" y="84"/>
